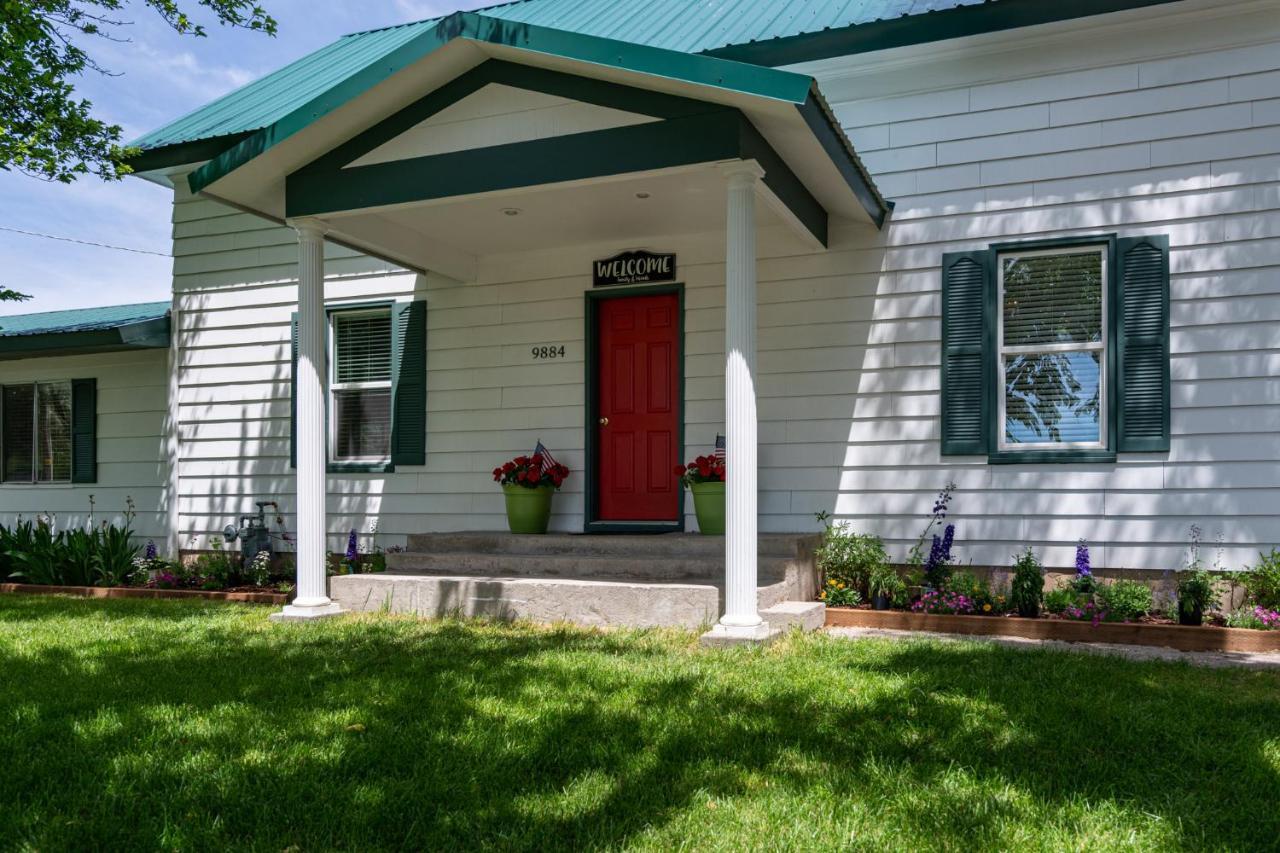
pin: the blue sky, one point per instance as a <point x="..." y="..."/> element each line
<point x="160" y="76"/>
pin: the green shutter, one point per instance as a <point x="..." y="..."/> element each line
<point x="967" y="291"/>
<point x="1142" y="344"/>
<point x="84" y="430"/>
<point x="293" y="394"/>
<point x="409" y="384"/>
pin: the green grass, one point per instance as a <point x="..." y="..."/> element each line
<point x="144" y="724"/>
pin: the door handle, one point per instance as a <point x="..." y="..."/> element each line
<point x="604" y="422"/>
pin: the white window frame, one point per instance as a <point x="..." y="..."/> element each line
<point x="35" y="435"/>
<point x="336" y="386"/>
<point x="1099" y="347"/>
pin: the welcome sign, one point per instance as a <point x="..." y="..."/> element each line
<point x="634" y="268"/>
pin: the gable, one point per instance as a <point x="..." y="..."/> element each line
<point x="498" y="114"/>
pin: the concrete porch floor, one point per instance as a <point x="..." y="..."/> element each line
<point x="670" y="580"/>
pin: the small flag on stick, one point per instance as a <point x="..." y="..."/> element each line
<point x="542" y="458"/>
<point x="719" y="447"/>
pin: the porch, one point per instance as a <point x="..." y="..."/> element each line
<point x="667" y="580"/>
<point x="484" y="147"/>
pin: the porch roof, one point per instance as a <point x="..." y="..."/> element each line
<point x="85" y="330"/>
<point x="786" y="110"/>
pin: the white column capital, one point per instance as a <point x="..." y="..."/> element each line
<point x="309" y="230"/>
<point x="742" y="173"/>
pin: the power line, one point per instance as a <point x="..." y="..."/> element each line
<point x="84" y="242"/>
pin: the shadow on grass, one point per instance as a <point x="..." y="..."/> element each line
<point x="149" y="723"/>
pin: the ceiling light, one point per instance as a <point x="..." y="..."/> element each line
<point x="511" y="211"/>
<point x="642" y="195"/>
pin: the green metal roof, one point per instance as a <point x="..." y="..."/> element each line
<point x="81" y="319"/>
<point x="762" y="32"/>
<point x="143" y="325"/>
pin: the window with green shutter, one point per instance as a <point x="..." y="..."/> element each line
<point x="376" y="405"/>
<point x="1056" y="350"/>
<point x="48" y="432"/>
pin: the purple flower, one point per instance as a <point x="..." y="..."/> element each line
<point x="353" y="550"/>
<point x="1082" y="560"/>
<point x="150" y="553"/>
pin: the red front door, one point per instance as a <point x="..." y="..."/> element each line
<point x="639" y="408"/>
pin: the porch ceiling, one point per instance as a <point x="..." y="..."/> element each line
<point x="625" y="208"/>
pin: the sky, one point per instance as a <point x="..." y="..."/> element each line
<point x="157" y="76"/>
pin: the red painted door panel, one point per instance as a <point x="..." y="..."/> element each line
<point x="638" y="394"/>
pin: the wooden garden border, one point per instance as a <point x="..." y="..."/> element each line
<point x="1184" y="638"/>
<point x="143" y="592"/>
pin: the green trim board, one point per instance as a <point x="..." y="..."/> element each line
<point x="146" y="334"/>
<point x="905" y="29"/>
<point x="722" y="134"/>
<point x="183" y="153"/>
<point x="591" y="520"/>
<point x="817" y="114"/>
<point x="690" y="68"/>
<point x="571" y="86"/>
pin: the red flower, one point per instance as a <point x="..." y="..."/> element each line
<point x="679" y="470"/>
<point x="508" y="467"/>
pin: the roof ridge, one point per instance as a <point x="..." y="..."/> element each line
<point x="477" y="10"/>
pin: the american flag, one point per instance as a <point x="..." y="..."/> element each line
<point x="719" y="447"/>
<point x="542" y="457"/>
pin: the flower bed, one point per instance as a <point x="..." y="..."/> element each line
<point x="250" y="597"/>
<point x="1184" y="638"/>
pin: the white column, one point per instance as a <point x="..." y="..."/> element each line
<point x="741" y="621"/>
<point x="312" y="600"/>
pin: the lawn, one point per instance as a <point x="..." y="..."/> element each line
<point x="144" y="724"/>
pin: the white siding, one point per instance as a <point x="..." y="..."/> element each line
<point x="1130" y="132"/>
<point x="1072" y="136"/>
<point x="498" y="115"/>
<point x="131" y="452"/>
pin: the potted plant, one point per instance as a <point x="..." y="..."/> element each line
<point x="1195" y="594"/>
<point x="528" y="482"/>
<point x="885" y="586"/>
<point x="705" y="478"/>
<point x="1026" y="590"/>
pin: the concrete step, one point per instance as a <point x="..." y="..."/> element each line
<point x="575" y="565"/>
<point x="589" y="603"/>
<point x="805" y="615"/>
<point x="655" y="546"/>
<point x="582" y="601"/>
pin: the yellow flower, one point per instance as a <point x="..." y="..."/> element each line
<point x="987" y="608"/>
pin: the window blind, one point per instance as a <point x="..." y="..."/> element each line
<point x="1052" y="299"/>
<point x="362" y="344"/>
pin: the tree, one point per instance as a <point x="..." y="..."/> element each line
<point x="45" y="130"/>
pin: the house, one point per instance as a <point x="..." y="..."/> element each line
<point x="1028" y="247"/>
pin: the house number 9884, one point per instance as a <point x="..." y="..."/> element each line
<point x="548" y="352"/>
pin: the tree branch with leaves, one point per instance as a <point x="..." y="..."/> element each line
<point x="46" y="130"/>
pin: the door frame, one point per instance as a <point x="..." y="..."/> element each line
<point x="591" y="522"/>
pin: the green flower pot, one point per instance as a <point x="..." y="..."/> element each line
<point x="708" y="503"/>
<point x="528" y="510"/>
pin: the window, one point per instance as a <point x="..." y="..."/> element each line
<point x="360" y="386"/>
<point x="1056" y="350"/>
<point x="1052" y="348"/>
<point x="37" y="432"/>
<point x="377" y="413"/>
